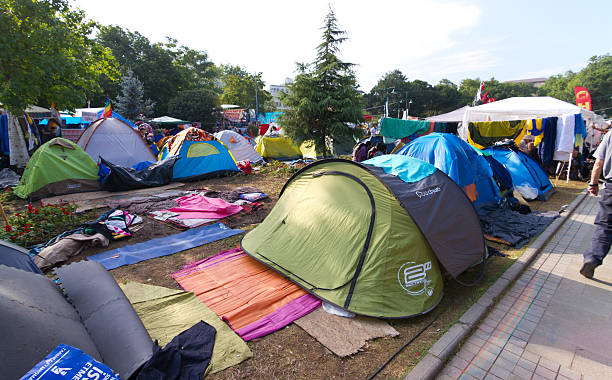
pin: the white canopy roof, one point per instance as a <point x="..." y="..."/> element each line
<point x="453" y="116"/>
<point x="523" y="108"/>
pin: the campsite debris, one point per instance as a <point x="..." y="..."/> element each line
<point x="67" y="247"/>
<point x="8" y="178"/>
<point x="142" y="175"/>
<point x="515" y="229"/>
<point x="186" y="357"/>
<point x="112" y="225"/>
<point x="243" y="192"/>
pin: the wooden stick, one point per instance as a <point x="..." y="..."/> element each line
<point x="3" y="214"/>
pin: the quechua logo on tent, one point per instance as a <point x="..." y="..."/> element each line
<point x="425" y="193"/>
<point x="412" y="278"/>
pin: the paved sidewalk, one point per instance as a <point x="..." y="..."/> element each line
<point x="552" y="323"/>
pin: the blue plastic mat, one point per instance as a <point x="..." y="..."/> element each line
<point x="131" y="254"/>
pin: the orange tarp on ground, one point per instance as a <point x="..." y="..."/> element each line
<point x="244" y="292"/>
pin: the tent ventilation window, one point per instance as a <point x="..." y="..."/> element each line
<point x="201" y="150"/>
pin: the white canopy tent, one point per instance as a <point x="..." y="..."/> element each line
<point x="455" y="116"/>
<point x="533" y="107"/>
<point x="524" y="108"/>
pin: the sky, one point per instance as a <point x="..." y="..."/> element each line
<point x="424" y="39"/>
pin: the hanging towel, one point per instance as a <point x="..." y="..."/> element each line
<point x="546" y="148"/>
<point x="17" y="144"/>
<point x="486" y="133"/>
<point x="535" y="127"/>
<point x="4" y="137"/>
<point x="564" y="144"/>
<point x="579" y="130"/>
<point x="398" y="128"/>
<point x="440" y="126"/>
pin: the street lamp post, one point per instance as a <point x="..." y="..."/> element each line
<point x="256" y="103"/>
<point x="408" y="103"/>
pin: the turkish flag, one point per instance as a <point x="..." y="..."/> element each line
<point x="583" y="98"/>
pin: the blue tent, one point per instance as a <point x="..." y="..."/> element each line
<point x="528" y="178"/>
<point x="461" y="162"/>
<point x="201" y="159"/>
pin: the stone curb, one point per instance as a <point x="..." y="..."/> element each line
<point x="433" y="362"/>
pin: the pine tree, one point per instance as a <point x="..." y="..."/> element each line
<point x="130" y="103"/>
<point x="323" y="99"/>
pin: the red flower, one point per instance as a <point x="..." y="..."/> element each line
<point x="8" y="228"/>
<point x="35" y="211"/>
<point x="13" y="237"/>
<point x="66" y="212"/>
<point x="21" y="233"/>
<point x="30" y="207"/>
<point x="17" y="214"/>
<point x="42" y="204"/>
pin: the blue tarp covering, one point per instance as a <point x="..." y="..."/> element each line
<point x="459" y="161"/>
<point x="135" y="253"/>
<point x="269" y="117"/>
<point x="407" y="169"/>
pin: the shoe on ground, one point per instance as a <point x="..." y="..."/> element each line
<point x="588" y="269"/>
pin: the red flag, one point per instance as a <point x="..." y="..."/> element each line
<point x="583" y="98"/>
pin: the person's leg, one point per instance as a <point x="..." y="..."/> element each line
<point x="602" y="236"/>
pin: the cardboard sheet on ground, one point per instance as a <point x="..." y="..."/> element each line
<point x="95" y="199"/>
<point x="343" y="336"/>
<point x="168" y="245"/>
<point x="166" y="313"/>
<point x="254" y="299"/>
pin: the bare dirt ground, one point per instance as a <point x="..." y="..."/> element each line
<point x="291" y="353"/>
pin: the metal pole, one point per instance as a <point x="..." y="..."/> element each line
<point x="256" y="104"/>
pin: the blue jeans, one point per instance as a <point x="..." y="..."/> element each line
<point x="602" y="237"/>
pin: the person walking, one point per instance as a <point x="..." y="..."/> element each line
<point x="602" y="236"/>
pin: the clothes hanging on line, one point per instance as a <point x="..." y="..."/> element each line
<point x="486" y="133"/>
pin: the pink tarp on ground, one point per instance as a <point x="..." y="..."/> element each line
<point x="198" y="206"/>
<point x="252" y="298"/>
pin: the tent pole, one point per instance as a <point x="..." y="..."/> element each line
<point x="569" y="167"/>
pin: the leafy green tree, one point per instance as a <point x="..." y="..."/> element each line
<point x="195" y="105"/>
<point x="239" y="89"/>
<point x="596" y="78"/>
<point x="131" y="103"/>
<point x="46" y="55"/>
<point x="323" y="99"/>
<point x="163" y="68"/>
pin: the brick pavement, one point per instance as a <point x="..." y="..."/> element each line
<point x="552" y="323"/>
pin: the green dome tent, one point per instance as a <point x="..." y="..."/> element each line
<point x="370" y="237"/>
<point x="58" y="167"/>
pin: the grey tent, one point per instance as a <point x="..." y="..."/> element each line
<point x="15" y="256"/>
